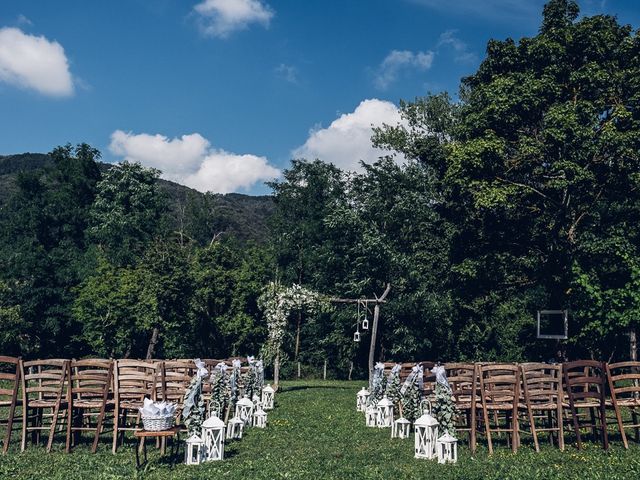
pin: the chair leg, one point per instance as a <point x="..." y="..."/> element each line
<point x="99" y="421"/>
<point x="12" y="412"/>
<point x="515" y="426"/>
<point x="67" y="446"/>
<point x="25" y="417"/>
<point x="576" y="428"/>
<point x="560" y="424"/>
<point x="116" y="423"/>
<point x="621" y="427"/>
<point x="603" y="424"/>
<point x="54" y="424"/>
<point x="487" y="429"/>
<point x="534" y="432"/>
<point x="473" y="432"/>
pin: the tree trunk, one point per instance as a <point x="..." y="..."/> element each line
<point x="276" y="371"/>
<point x="372" y="347"/>
<point x="324" y="373"/>
<point x="350" y="369"/>
<point x="633" y="345"/>
<point x="298" y="335"/>
<point x="152" y="343"/>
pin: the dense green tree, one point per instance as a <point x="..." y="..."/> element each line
<point x="127" y="211"/>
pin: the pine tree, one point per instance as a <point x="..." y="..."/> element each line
<point x="411" y="402"/>
<point x="393" y="391"/>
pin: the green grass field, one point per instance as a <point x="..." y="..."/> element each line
<point x="315" y="433"/>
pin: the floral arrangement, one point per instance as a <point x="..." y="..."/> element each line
<point x="444" y="410"/>
<point x="193" y="410"/>
<point x="411" y="393"/>
<point x="220" y="387"/>
<point x="378" y="384"/>
<point x="392" y="390"/>
<point x="277" y="303"/>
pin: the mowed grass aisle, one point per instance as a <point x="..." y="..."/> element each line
<point x="315" y="433"/>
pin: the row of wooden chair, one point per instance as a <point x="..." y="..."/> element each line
<point x="46" y="394"/>
<point x="504" y="398"/>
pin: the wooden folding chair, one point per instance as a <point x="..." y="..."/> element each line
<point x="428" y="379"/>
<point x="624" y="387"/>
<point x="45" y="386"/>
<point x="462" y="379"/>
<point x="500" y="393"/>
<point x="585" y="387"/>
<point x="9" y="386"/>
<point x="91" y="381"/>
<point x="133" y="381"/>
<point x="542" y="398"/>
<point x="176" y="376"/>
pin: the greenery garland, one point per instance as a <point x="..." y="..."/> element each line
<point x="277" y="303"/>
<point x="193" y="409"/>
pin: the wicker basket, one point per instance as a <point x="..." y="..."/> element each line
<point x="157" y="424"/>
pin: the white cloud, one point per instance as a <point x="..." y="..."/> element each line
<point x="220" y="18"/>
<point x="462" y="54"/>
<point x="191" y="161"/>
<point x="398" y="60"/>
<point x="32" y="62"/>
<point x="288" y="73"/>
<point x="347" y="140"/>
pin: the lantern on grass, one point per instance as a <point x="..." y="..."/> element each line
<point x="268" y="394"/>
<point x="194" y="450"/>
<point x="260" y="418"/>
<point x="401" y="428"/>
<point x="213" y="435"/>
<point x="426" y="428"/>
<point x="244" y="410"/>
<point x="385" y="413"/>
<point x="256" y="401"/>
<point x="234" y="428"/>
<point x="371" y="416"/>
<point x="447" y="447"/>
<point x="361" y="400"/>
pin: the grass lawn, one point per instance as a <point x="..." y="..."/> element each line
<point x="315" y="433"/>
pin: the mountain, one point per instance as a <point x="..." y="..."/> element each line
<point x="243" y="216"/>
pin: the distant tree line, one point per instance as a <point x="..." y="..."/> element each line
<point x="523" y="194"/>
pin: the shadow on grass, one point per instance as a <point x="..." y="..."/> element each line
<point x="329" y="386"/>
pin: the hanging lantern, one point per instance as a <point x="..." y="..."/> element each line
<point x="194" y="450"/>
<point x="268" y="394"/>
<point x="260" y="418"/>
<point x="234" y="428"/>
<point x="356" y="336"/>
<point x="401" y="428"/>
<point x="447" y="447"/>
<point x="213" y="435"/>
<point x="361" y="400"/>
<point x="365" y="324"/>
<point x="385" y="413"/>
<point x="244" y="410"/>
<point x="213" y="409"/>
<point x="426" y="428"/>
<point x="371" y="416"/>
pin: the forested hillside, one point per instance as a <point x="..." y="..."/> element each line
<point x="241" y="216"/>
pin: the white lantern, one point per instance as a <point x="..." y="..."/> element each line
<point x="371" y="416"/>
<point x="213" y="435"/>
<point x="401" y="428"/>
<point x="268" y="394"/>
<point x="356" y="336"/>
<point x="260" y="418"/>
<point x="447" y="449"/>
<point x="385" y="413"/>
<point x="193" y="450"/>
<point x="361" y="400"/>
<point x="426" y="435"/>
<point x="234" y="428"/>
<point x="256" y="401"/>
<point x="365" y="324"/>
<point x="214" y="409"/>
<point x="244" y="410"/>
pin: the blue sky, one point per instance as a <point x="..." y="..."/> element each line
<point x="221" y="94"/>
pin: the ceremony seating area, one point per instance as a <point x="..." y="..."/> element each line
<point x="509" y="400"/>
<point x="69" y="396"/>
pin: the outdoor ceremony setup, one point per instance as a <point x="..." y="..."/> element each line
<point x="210" y="401"/>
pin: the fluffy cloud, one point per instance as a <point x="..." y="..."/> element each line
<point x="348" y="139"/>
<point x="32" y="62"/>
<point x="288" y="73"/>
<point x="399" y="60"/>
<point x="191" y="161"/>
<point x="461" y="51"/>
<point x="220" y="18"/>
